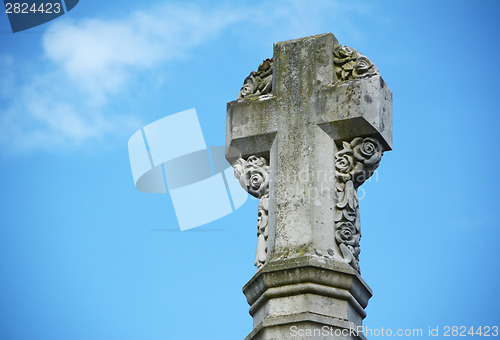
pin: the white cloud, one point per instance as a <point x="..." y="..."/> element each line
<point x="88" y="61"/>
<point x="45" y="113"/>
<point x="99" y="55"/>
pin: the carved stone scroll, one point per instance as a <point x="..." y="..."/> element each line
<point x="354" y="164"/>
<point x="253" y="175"/>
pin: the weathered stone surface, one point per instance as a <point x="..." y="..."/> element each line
<point x="325" y="122"/>
<point x="357" y="108"/>
<point x="312" y="289"/>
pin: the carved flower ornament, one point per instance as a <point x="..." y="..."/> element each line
<point x="363" y="68"/>
<point x="358" y="159"/>
<point x="346" y="233"/>
<point x="257" y="181"/>
<point x="253" y="175"/>
<point x="258" y="82"/>
<point x="350" y="64"/>
<point x="354" y="164"/>
<point x="347" y="236"/>
<point x="342" y="52"/>
<point x="344" y="163"/>
<point x="368" y="150"/>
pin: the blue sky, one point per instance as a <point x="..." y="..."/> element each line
<point x="81" y="253"/>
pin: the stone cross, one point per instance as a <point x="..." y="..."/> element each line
<point x="308" y="128"/>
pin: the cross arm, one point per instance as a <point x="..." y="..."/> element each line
<point x="251" y="126"/>
<point x="360" y="107"/>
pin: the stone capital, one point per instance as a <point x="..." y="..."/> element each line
<point x="310" y="291"/>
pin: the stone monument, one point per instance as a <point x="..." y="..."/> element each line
<point x="308" y="128"/>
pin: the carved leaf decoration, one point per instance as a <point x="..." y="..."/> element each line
<point x="341" y="198"/>
<point x="348" y="198"/>
<point x="239" y="167"/>
<point x="355" y="142"/>
<point x="351" y="193"/>
<point x="265" y="85"/>
<point x="265" y="202"/>
<point x="338" y="215"/>
<point x="343" y="177"/>
<point x="346" y="253"/>
<point x="260" y="256"/>
<point x="349" y="66"/>
<point x="340" y="186"/>
<point x="349" y="215"/>
<point x="357" y="226"/>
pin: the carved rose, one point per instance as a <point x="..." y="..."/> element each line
<point x="257" y="176"/>
<point x="368" y="150"/>
<point x="253" y="175"/>
<point x="257" y="182"/>
<point x="346" y="233"/>
<point x="258" y="82"/>
<point x="363" y="68"/>
<point x="342" y="52"/>
<point x="344" y="163"/>
<point x="354" y="163"/>
<point x="350" y="64"/>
